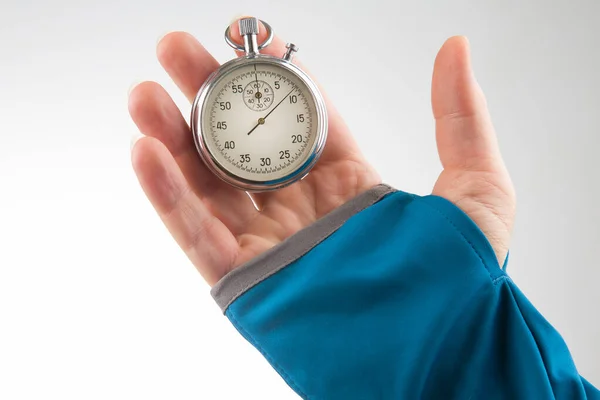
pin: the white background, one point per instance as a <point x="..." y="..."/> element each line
<point x="97" y="301"/>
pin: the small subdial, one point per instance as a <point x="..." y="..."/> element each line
<point x="258" y="95"/>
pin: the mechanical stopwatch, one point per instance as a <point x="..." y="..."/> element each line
<point x="259" y="122"/>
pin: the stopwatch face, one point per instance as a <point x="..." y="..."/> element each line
<point x="260" y="122"/>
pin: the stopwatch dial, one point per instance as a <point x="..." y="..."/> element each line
<point x="260" y="122"/>
<point x="258" y="95"/>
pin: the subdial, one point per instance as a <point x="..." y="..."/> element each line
<point x="258" y="95"/>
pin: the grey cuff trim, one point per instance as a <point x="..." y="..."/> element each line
<point x="243" y="278"/>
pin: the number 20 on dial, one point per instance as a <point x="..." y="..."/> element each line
<point x="259" y="122"/>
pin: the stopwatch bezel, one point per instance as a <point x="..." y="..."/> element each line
<point x="199" y="110"/>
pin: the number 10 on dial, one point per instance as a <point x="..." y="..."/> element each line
<point x="259" y="122"/>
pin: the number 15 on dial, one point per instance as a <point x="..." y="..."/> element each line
<point x="259" y="122"/>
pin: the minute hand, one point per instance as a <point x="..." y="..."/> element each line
<point x="290" y="92"/>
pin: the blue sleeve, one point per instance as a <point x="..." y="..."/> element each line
<point x="397" y="296"/>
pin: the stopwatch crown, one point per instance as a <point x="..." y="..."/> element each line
<point x="248" y="26"/>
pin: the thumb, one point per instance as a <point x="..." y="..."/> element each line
<point x="465" y="136"/>
<point x="474" y="176"/>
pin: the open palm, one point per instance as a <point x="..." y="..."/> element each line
<point x="220" y="228"/>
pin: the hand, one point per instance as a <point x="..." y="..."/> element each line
<point x="218" y="226"/>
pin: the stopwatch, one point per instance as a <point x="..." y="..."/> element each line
<point x="259" y="122"/>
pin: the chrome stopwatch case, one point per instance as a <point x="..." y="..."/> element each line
<point x="259" y="122"/>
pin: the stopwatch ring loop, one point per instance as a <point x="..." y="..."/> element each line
<point x="240" y="47"/>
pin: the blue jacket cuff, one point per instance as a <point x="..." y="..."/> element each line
<point x="395" y="295"/>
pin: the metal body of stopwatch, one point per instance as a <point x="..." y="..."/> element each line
<point x="259" y="122"/>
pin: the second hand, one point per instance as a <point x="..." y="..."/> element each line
<point x="261" y="121"/>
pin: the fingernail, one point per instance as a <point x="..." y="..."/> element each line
<point x="161" y="37"/>
<point x="131" y="87"/>
<point x="236" y="17"/>
<point x="134" y="139"/>
<point x="467" y="40"/>
<point x="468" y="48"/>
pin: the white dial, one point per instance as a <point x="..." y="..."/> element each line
<point x="260" y="122"/>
